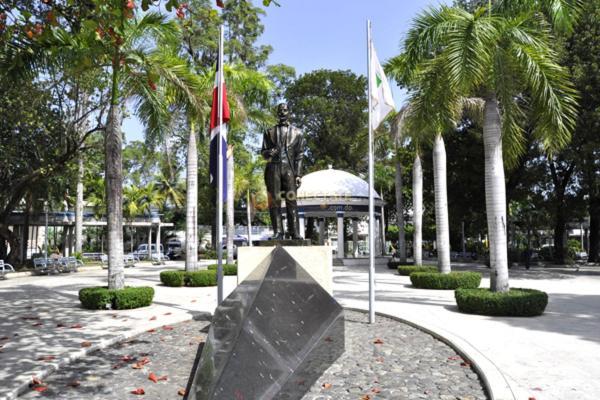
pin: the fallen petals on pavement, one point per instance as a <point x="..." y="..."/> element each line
<point x="138" y="391"/>
<point x="181" y="392"/>
<point x="378" y="341"/>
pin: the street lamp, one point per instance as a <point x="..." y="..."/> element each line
<point x="155" y="219"/>
<point x="46" y="231"/>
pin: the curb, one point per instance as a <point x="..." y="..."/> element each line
<point x="494" y="382"/>
<point x="68" y="359"/>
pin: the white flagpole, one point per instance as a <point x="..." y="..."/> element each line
<point x="220" y="173"/>
<point x="371" y="190"/>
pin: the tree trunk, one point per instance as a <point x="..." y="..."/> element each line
<point x="495" y="196"/>
<point x="79" y="208"/>
<point x="594" y="241"/>
<point x="559" y="234"/>
<point x="249" y="217"/>
<point x="417" y="211"/>
<point x="191" y="201"/>
<point x="114" y="198"/>
<point x="230" y="211"/>
<point x="400" y="213"/>
<point x="442" y="227"/>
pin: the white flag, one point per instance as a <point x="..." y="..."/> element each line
<point x="382" y="102"/>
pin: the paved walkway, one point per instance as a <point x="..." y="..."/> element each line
<point x="551" y="357"/>
<point x="554" y="356"/>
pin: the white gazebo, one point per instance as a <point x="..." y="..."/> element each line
<point x="333" y="193"/>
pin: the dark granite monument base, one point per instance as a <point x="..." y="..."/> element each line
<point x="272" y="337"/>
<point x="283" y="242"/>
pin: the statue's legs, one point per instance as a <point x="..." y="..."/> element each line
<point x="273" y="182"/>
<point x="289" y="190"/>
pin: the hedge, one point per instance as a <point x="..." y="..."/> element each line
<point x="228" y="269"/>
<point x="191" y="278"/>
<point x="201" y="278"/>
<point x="101" y="298"/>
<point x="451" y="281"/>
<point x="406" y="270"/>
<point x="514" y="303"/>
<point x="172" y="278"/>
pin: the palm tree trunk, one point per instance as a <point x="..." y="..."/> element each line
<point x="400" y="213"/>
<point x="418" y="211"/>
<point x="114" y="198"/>
<point x="230" y="219"/>
<point x="495" y="196"/>
<point x="442" y="227"/>
<point x="191" y="215"/>
<point x="79" y="208"/>
<point x="249" y="218"/>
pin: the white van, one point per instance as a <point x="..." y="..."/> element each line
<point x="142" y="250"/>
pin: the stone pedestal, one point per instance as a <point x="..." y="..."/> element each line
<point x="315" y="260"/>
<point x="273" y="337"/>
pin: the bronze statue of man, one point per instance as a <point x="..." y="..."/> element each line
<point x="283" y="147"/>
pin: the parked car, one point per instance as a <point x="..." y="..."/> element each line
<point x="581" y="256"/>
<point x="142" y="251"/>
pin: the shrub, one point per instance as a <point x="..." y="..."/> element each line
<point x="406" y="270"/>
<point x="453" y="280"/>
<point x="393" y="264"/>
<point x="228" y="269"/>
<point x="201" y="278"/>
<point x="96" y="298"/>
<point x="172" y="278"/>
<point x="132" y="297"/>
<point x="514" y="303"/>
<point x="100" y="298"/>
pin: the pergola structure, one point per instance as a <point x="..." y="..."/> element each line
<point x="333" y="193"/>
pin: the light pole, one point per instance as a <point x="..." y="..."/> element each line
<point x="46" y="231"/>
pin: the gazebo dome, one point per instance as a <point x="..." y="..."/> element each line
<point x="334" y="185"/>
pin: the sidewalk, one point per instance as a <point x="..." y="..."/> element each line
<point x="551" y="357"/>
<point x="41" y="317"/>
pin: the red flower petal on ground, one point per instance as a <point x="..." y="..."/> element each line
<point x="193" y="301"/>
<point x="46" y="358"/>
<point x="117" y="366"/>
<point x="378" y="341"/>
<point x="465" y="364"/>
<point x="168" y="328"/>
<point x="163" y="378"/>
<point x="167" y="313"/>
<point x="531" y="398"/>
<point x="455" y="358"/>
<point x="126" y="358"/>
<point x="376" y="390"/>
<point x="181" y="392"/>
<point x="328" y="339"/>
<point x="36" y="381"/>
<point x="151" y="330"/>
<point x="74" y="384"/>
<point x="138" y="391"/>
<point x="4" y="338"/>
<point x="537" y="389"/>
<point x="86" y="343"/>
<point x="38" y="324"/>
<point x="153" y="377"/>
<point x="153" y="318"/>
<point x="327" y="385"/>
<point x="76" y="326"/>
<point x="40" y="388"/>
<point x="60" y="325"/>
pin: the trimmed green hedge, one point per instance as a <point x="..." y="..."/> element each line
<point x="101" y="298"/>
<point x="451" y="281"/>
<point x="194" y="278"/>
<point x="201" y="278"/>
<point x="514" y="303"/>
<point x="406" y="270"/>
<point x="228" y="269"/>
<point x="172" y="278"/>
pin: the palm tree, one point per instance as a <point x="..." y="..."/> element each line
<point x="505" y="57"/>
<point x="417" y="189"/>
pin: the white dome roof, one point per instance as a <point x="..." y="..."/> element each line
<point x="334" y="184"/>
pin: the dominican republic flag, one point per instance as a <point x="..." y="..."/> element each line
<point x="214" y="134"/>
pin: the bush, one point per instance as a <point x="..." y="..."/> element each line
<point x="514" y="303"/>
<point x="132" y="297"/>
<point x="172" y="278"/>
<point x="393" y="264"/>
<point x="406" y="270"/>
<point x="201" y="278"/>
<point x="451" y="281"/>
<point x="96" y="298"/>
<point x="228" y="269"/>
<point x="100" y="298"/>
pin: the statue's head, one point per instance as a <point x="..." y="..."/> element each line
<point x="283" y="112"/>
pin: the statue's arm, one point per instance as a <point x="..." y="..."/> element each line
<point x="299" y="155"/>
<point x="265" y="150"/>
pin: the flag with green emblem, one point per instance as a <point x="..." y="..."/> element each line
<point x="382" y="102"/>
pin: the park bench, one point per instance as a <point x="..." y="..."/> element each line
<point x="129" y="260"/>
<point x="92" y="256"/>
<point x="4" y="268"/>
<point x="44" y="265"/>
<point x="68" y="264"/>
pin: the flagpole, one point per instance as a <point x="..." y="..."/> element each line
<point x="371" y="190"/>
<point x="220" y="172"/>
